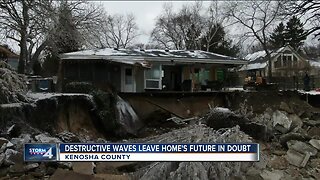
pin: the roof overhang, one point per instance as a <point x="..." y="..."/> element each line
<point x="143" y="60"/>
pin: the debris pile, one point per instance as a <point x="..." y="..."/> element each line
<point x="12" y="85"/>
<point x="195" y="170"/>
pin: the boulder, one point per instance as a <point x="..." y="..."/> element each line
<point x="21" y="140"/>
<point x="297" y="159"/>
<point x="296" y="121"/>
<point x="44" y="138"/>
<point x="31" y="166"/>
<point x="68" y="137"/>
<point x="3" y="140"/>
<point x="281" y="122"/>
<point x="272" y="175"/>
<point x="302" y="147"/>
<point x="293" y="136"/>
<point x="285" y="107"/>
<point x="314" y="132"/>
<point x="278" y="162"/>
<point x="315" y="143"/>
<point x="2" y="158"/>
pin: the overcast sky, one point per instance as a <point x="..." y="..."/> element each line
<point x="144" y="11"/>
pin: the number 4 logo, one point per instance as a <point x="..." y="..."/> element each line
<point x="48" y="154"/>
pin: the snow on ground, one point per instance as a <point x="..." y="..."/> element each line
<point x="39" y="96"/>
<point x="313" y="92"/>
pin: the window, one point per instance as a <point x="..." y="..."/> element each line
<point x="284" y="61"/>
<point x="289" y="58"/>
<point x="153" y="77"/>
<point x="295" y="61"/>
<point x="128" y="76"/>
<point x="277" y="63"/>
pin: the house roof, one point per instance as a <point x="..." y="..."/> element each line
<point x="132" y="56"/>
<point x="258" y="60"/>
<point x="7" y="52"/>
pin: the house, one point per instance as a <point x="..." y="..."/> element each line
<point x="129" y="70"/>
<point x="9" y="57"/>
<point x="288" y="67"/>
<point x="285" y="62"/>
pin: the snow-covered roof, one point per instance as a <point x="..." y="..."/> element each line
<point x="133" y="56"/>
<point x="253" y="66"/>
<point x="257" y="59"/>
<point x="314" y="63"/>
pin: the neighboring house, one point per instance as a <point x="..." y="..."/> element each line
<point x="144" y="70"/>
<point x="9" y="57"/>
<point x="285" y="62"/>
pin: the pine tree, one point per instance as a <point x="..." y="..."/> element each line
<point x="219" y="42"/>
<point x="277" y="38"/>
<point x="295" y="34"/>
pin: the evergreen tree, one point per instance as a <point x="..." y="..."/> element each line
<point x="219" y="43"/>
<point x="277" y="37"/>
<point x="294" y="33"/>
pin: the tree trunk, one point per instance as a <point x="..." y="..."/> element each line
<point x="23" y="52"/>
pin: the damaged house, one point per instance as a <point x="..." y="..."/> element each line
<point x="129" y="70"/>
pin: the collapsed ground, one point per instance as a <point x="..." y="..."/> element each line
<point x="287" y="129"/>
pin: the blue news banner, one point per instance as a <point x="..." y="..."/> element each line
<point x="141" y="152"/>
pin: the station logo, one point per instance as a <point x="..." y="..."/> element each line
<point x="40" y="152"/>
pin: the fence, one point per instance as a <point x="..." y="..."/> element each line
<point x="295" y="83"/>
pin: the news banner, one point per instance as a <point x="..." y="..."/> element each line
<point x="141" y="152"/>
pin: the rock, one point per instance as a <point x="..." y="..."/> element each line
<point x="23" y="139"/>
<point x="68" y="137"/>
<point x="281" y="122"/>
<point x="302" y="147"/>
<point x="293" y="136"/>
<point x="272" y="175"/>
<point x="70" y="175"/>
<point x="305" y="160"/>
<point x="315" y="163"/>
<point x="3" y="147"/>
<point x="253" y="174"/>
<point x="83" y="167"/>
<point x="296" y="158"/>
<point x="9" y="145"/>
<point x="112" y="177"/>
<point x="65" y="165"/>
<point x="3" y="140"/>
<point x="279" y="152"/>
<point x="314" y="132"/>
<point x="2" y="158"/>
<point x="278" y="162"/>
<point x="296" y="121"/>
<point x="311" y="122"/>
<point x="43" y="138"/>
<point x="31" y="166"/>
<point x="315" y="143"/>
<point x="285" y="107"/>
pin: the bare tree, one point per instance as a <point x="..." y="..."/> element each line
<point x="116" y="31"/>
<point x="180" y="30"/>
<point x="30" y="23"/>
<point x="257" y="18"/>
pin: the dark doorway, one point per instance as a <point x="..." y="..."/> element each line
<point x="171" y="80"/>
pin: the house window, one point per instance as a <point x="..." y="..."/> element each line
<point x="289" y="58"/>
<point x="128" y="76"/>
<point x="295" y="61"/>
<point x="277" y="63"/>
<point x="284" y="61"/>
<point x="153" y="77"/>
